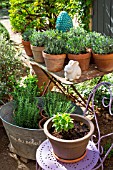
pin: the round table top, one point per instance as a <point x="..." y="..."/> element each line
<point x="46" y="160"/>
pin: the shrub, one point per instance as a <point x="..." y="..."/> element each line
<point x="10" y="68"/>
<point x="4" y="31"/>
<point x="43" y="14"/>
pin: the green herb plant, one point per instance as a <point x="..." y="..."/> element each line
<point x="11" y="68"/>
<point x="55" y="42"/>
<point x="37" y="38"/>
<point x="62" y="122"/>
<point x="26" y="112"/>
<point x="56" y="102"/>
<point x="26" y="34"/>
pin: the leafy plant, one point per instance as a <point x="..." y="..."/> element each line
<point x="62" y="122"/>
<point x="77" y="32"/>
<point x="5" y="4"/>
<point x="77" y="44"/>
<point x="37" y="38"/>
<point x="4" y="32"/>
<point x="106" y="147"/>
<point x="56" y="42"/>
<point x="101" y="44"/>
<point x="43" y="14"/>
<point x="56" y="102"/>
<point x="26" y="112"/>
<point x="11" y="68"/>
<point x="26" y="34"/>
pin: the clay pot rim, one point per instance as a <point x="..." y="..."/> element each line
<point x="80" y="56"/>
<point x="103" y="56"/>
<point x="52" y="56"/>
<point x="37" y="48"/>
<point x="25" y="42"/>
<point x="91" y="125"/>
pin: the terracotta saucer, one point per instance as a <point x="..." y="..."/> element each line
<point x="69" y="161"/>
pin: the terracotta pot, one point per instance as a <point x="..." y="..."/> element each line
<point x="53" y="62"/>
<point x="41" y="122"/>
<point x="69" y="149"/>
<point x="104" y="62"/>
<point x="37" y="54"/>
<point x="27" y="48"/>
<point x="83" y="59"/>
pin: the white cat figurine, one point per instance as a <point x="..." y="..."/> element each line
<point x="72" y="70"/>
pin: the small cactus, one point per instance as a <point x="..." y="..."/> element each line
<point x="64" y="22"/>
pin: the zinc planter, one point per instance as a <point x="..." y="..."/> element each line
<point x="54" y="63"/>
<point x="83" y="59"/>
<point x="69" y="149"/>
<point x="24" y="141"/>
<point x="37" y="54"/>
<point x="27" y="48"/>
<point x="104" y="62"/>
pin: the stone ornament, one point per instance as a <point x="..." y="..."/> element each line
<point x="72" y="70"/>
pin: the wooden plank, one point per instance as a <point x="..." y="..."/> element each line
<point x="94" y="16"/>
<point x="111" y="18"/>
<point x="107" y="17"/>
<point x="91" y="73"/>
<point x="100" y="16"/>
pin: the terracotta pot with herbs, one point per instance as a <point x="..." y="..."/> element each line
<point x="69" y="135"/>
<point x="26" y="43"/>
<point x="77" y="47"/>
<point x="102" y="49"/>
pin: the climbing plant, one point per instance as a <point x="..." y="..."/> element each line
<point x="83" y="13"/>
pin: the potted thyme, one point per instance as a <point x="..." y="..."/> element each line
<point x="69" y="135"/>
<point x="37" y="40"/>
<point x="102" y="49"/>
<point x="25" y="41"/>
<point x="77" y="45"/>
<point x="55" y="52"/>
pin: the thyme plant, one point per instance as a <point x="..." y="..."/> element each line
<point x="26" y="112"/>
<point x="56" y="102"/>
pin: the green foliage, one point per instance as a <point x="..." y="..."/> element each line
<point x="101" y="92"/>
<point x="26" y="112"/>
<point x="56" y="102"/>
<point x="10" y="67"/>
<point x="77" y="41"/>
<point x="101" y="44"/>
<point x="62" y="122"/>
<point x="43" y="14"/>
<point x="55" y="42"/>
<point x="106" y="147"/>
<point x="26" y="34"/>
<point x="4" y="31"/>
<point x="83" y="13"/>
<point x="64" y="22"/>
<point x="76" y="45"/>
<point x="37" y="38"/>
<point x="77" y="32"/>
<point x="4" y="4"/>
